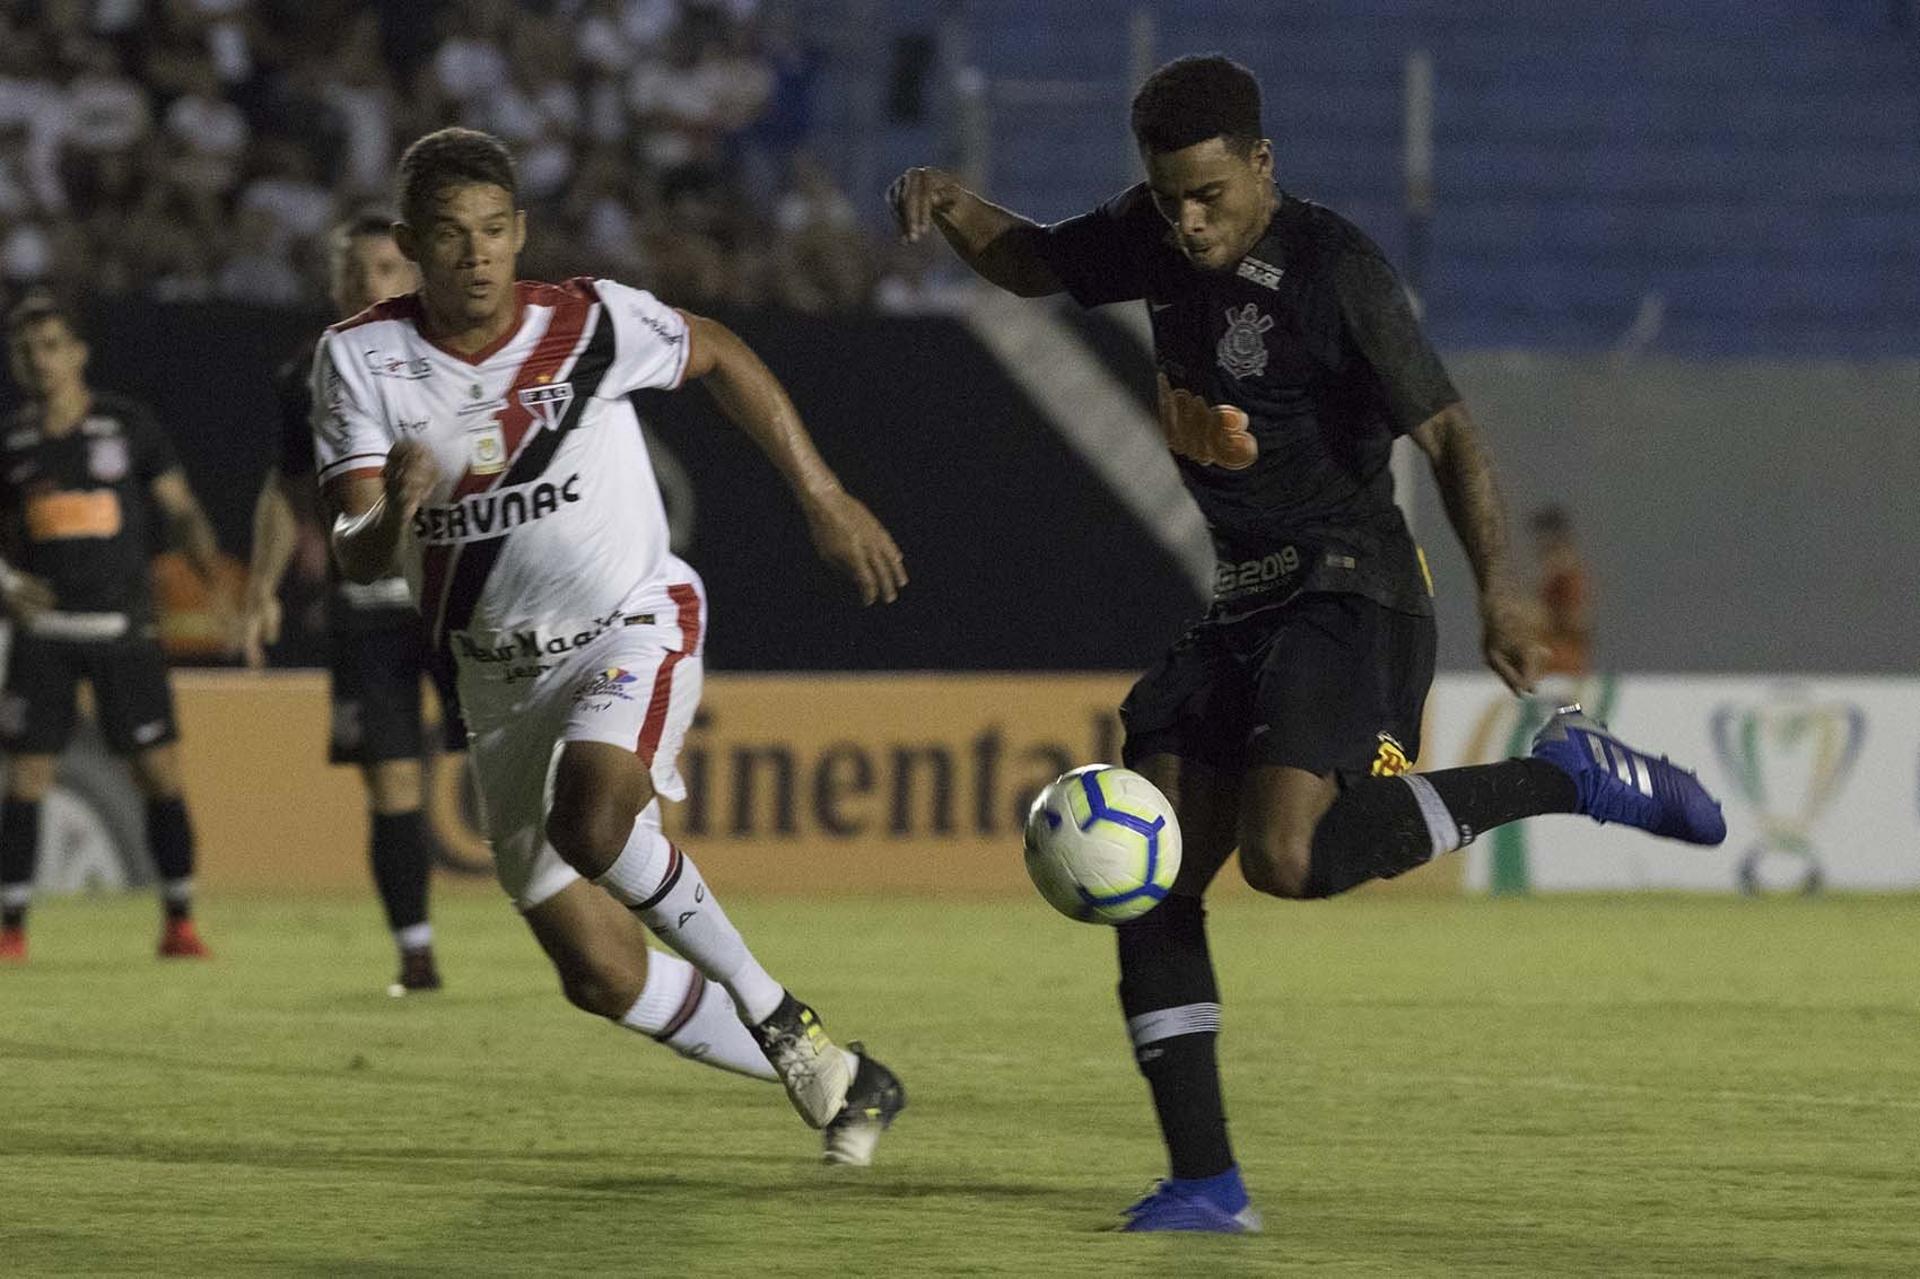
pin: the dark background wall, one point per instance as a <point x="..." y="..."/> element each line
<point x="1019" y="558"/>
<point x="1738" y="516"/>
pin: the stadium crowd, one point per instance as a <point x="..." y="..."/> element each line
<point x="199" y="149"/>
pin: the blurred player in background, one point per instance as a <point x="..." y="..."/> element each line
<point x="377" y="648"/>
<point x="1566" y="627"/>
<point x="481" y="429"/>
<point x="1283" y="723"/>
<point x="89" y="487"/>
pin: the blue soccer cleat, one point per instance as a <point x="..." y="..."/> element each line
<point x="1617" y="783"/>
<point x="1205" y="1206"/>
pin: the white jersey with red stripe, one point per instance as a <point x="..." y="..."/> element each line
<point x="546" y="518"/>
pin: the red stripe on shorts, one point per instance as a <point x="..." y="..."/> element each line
<point x="687" y="601"/>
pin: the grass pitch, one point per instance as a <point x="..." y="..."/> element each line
<point x="1623" y="1086"/>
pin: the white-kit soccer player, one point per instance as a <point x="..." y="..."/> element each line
<point x="479" y="429"/>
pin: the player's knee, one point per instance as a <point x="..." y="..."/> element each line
<point x="604" y="990"/>
<point x="30" y="777"/>
<point x="393" y="786"/>
<point x="588" y="837"/>
<point x="157" y="773"/>
<point x="1277" y="867"/>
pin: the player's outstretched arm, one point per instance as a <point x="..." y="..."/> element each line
<point x="188" y="527"/>
<point x="371" y="512"/>
<point x="1510" y="637"/>
<point x="844" y="531"/>
<point x="999" y="245"/>
<point x="24" y="596"/>
<point x="274" y="532"/>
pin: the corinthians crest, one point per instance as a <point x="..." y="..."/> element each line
<point x="1787" y="758"/>
<point x="1243" y="348"/>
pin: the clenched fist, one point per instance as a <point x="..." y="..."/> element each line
<point x="916" y="196"/>
<point x="409" y="475"/>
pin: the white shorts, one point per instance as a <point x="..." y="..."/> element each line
<point x="631" y="680"/>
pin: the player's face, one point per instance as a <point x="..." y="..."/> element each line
<point x="367" y="269"/>
<point x="466" y="251"/>
<point x="1217" y="200"/>
<point x="47" y="357"/>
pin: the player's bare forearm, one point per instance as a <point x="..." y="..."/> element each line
<point x="1472" y="500"/>
<point x="753" y="399"/>
<point x="188" y="528"/>
<point x="274" y="533"/>
<point x="844" y="530"/>
<point x="366" y="529"/>
<point x="372" y="511"/>
<point x="1470" y="494"/>
<point x="997" y="244"/>
<point x="200" y="546"/>
<point x="364" y="543"/>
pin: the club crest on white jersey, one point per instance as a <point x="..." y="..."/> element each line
<point x="546" y="508"/>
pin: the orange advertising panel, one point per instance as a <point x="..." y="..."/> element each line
<point x="916" y="783"/>
<point x="813" y="784"/>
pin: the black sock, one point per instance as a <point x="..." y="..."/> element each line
<point x="1382" y="826"/>
<point x="170" y="840"/>
<point x="401" y="867"/>
<point x="19" y="857"/>
<point x="1172" y="1005"/>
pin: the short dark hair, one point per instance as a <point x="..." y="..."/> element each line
<point x="363" y="222"/>
<point x="1551" y="520"/>
<point x="449" y="158"/>
<point x="38" y="308"/>
<point x="1195" y="98"/>
<point x="360" y="222"/>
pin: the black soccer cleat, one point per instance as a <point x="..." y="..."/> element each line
<point x="872" y="1102"/>
<point x="418" y="973"/>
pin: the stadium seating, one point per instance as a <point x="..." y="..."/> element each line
<point x="1754" y="163"/>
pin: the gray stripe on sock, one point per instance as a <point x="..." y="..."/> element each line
<point x="1441" y="828"/>
<point x="1167" y="1023"/>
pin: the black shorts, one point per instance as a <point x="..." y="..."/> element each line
<point x="376" y="695"/>
<point x="1328" y="683"/>
<point x="133" y="699"/>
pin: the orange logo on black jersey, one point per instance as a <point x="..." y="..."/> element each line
<point x="58" y="515"/>
<point x="1210" y="434"/>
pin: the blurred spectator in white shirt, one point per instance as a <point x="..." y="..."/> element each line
<point x="209" y="136"/>
<point x="104" y="108"/>
<point x="360" y="90"/>
<point x="299" y="205"/>
<point x="259" y="271"/>
<point x="471" y="61"/>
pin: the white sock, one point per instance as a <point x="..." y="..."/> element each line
<point x="663" y="887"/>
<point x="414" y="936"/>
<point x="680" y="1008"/>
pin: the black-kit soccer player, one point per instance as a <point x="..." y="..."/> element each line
<point x="89" y="489"/>
<point x="377" y="647"/>
<point x="1282" y="724"/>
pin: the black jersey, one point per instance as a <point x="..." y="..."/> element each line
<point x="1283" y="383"/>
<point x="79" y="507"/>
<point x="351" y="606"/>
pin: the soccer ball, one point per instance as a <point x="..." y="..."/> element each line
<point x="1103" y="845"/>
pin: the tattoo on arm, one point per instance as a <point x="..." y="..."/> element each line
<point x="1469" y="492"/>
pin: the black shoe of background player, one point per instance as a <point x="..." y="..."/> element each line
<point x="873" y="1100"/>
<point x="417" y="973"/>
